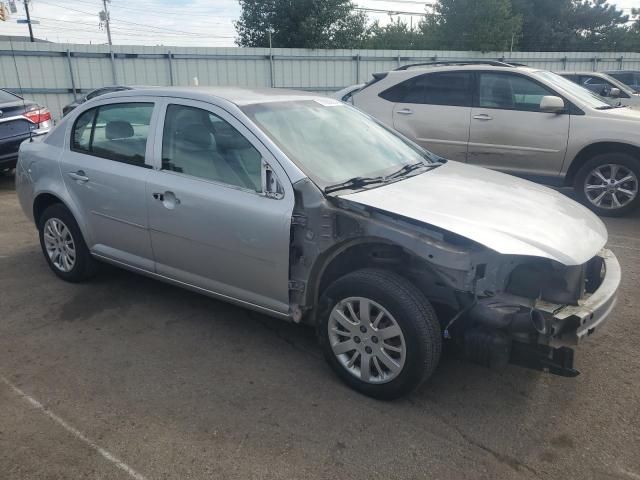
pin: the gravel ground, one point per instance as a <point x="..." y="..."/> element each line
<point x="125" y="377"/>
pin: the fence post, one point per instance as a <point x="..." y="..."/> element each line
<point x="620" y="62"/>
<point x="73" y="82"/>
<point x="113" y="67"/>
<point x="170" y="59"/>
<point x="564" y="59"/>
<point x="594" y="60"/>
<point x="398" y="61"/>
<point x="357" y="57"/>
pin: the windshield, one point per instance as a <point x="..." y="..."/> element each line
<point x="332" y="142"/>
<point x="586" y="96"/>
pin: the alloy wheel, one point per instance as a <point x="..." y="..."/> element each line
<point x="59" y="244"/>
<point x="367" y="340"/>
<point x="611" y="186"/>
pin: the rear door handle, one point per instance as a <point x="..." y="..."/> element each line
<point x="79" y="176"/>
<point x="483" y="116"/>
<point x="405" y="111"/>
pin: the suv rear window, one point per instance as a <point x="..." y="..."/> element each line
<point x="444" y="88"/>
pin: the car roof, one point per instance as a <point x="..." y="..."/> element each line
<point x="236" y="95"/>
<point x="465" y="66"/>
<point x="585" y="72"/>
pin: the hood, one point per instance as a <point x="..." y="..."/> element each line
<point x="504" y="213"/>
<point x="623" y="113"/>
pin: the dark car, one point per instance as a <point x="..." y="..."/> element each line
<point x="19" y="119"/>
<point x="628" y="77"/>
<point x="92" y="94"/>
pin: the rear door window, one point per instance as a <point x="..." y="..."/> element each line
<point x="444" y="88"/>
<point x="116" y="132"/>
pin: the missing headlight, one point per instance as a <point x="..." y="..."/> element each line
<point x="548" y="280"/>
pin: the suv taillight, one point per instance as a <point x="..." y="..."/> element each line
<point x="38" y="116"/>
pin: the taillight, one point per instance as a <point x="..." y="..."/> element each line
<point x="38" y="116"/>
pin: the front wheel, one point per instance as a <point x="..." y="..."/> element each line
<point x="608" y="184"/>
<point x="379" y="333"/>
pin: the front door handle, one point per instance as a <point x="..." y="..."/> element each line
<point x="168" y="199"/>
<point x="79" y="176"/>
<point x="405" y="111"/>
<point x="483" y="116"/>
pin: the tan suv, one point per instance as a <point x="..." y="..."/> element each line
<point x="527" y="122"/>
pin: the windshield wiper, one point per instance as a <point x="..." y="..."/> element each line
<point x="354" y="183"/>
<point x="410" y="168"/>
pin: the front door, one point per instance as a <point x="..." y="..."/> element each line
<point x="433" y="110"/>
<point x="211" y="225"/>
<point x="510" y="133"/>
<point x="105" y="171"/>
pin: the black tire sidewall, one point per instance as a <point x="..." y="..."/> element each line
<point x="408" y="311"/>
<point x="618" y="158"/>
<point x="84" y="265"/>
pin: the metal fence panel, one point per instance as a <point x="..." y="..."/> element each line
<point x="53" y="73"/>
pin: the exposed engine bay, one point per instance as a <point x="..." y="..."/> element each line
<point x="496" y="308"/>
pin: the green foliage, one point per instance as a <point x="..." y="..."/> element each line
<point x="480" y="25"/>
<point x="474" y="24"/>
<point x="300" y="24"/>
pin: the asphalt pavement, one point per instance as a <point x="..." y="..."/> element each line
<point x="126" y="377"/>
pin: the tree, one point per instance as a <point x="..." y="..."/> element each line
<point x="598" y="26"/>
<point x="565" y="25"/>
<point x="300" y="24"/>
<point x="482" y="25"/>
<point x="395" y="35"/>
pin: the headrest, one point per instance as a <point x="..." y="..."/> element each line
<point x="228" y="138"/>
<point x="197" y="135"/>
<point x="118" y="129"/>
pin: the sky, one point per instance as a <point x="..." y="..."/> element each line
<point x="168" y="22"/>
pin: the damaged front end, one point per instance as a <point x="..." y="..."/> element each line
<point x="544" y="310"/>
<point x="499" y="308"/>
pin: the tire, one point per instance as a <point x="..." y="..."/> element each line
<point x="586" y="176"/>
<point x="397" y="302"/>
<point x="57" y="223"/>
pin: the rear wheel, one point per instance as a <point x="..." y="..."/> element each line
<point x="63" y="245"/>
<point x="379" y="333"/>
<point x="608" y="184"/>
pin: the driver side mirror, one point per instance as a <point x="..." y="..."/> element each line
<point x="271" y="186"/>
<point x="614" y="92"/>
<point x="551" y="104"/>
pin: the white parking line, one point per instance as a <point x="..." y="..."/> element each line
<point x="75" y="432"/>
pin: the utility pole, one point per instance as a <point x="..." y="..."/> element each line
<point x="105" y="18"/>
<point x="26" y="9"/>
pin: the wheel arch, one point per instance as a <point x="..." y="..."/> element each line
<point x="365" y="252"/>
<point x="598" y="148"/>
<point x="46" y="198"/>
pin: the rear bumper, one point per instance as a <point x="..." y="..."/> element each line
<point x="573" y="323"/>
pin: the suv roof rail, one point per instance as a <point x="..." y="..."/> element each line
<point x="494" y="63"/>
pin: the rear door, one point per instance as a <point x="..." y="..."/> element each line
<point x="212" y="225"/>
<point x="510" y="133"/>
<point x="434" y="111"/>
<point x="105" y="171"/>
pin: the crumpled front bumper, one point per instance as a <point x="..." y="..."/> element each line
<point x="572" y="323"/>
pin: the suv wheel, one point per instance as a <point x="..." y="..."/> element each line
<point x="608" y="184"/>
<point x="379" y="333"/>
<point x="63" y="245"/>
